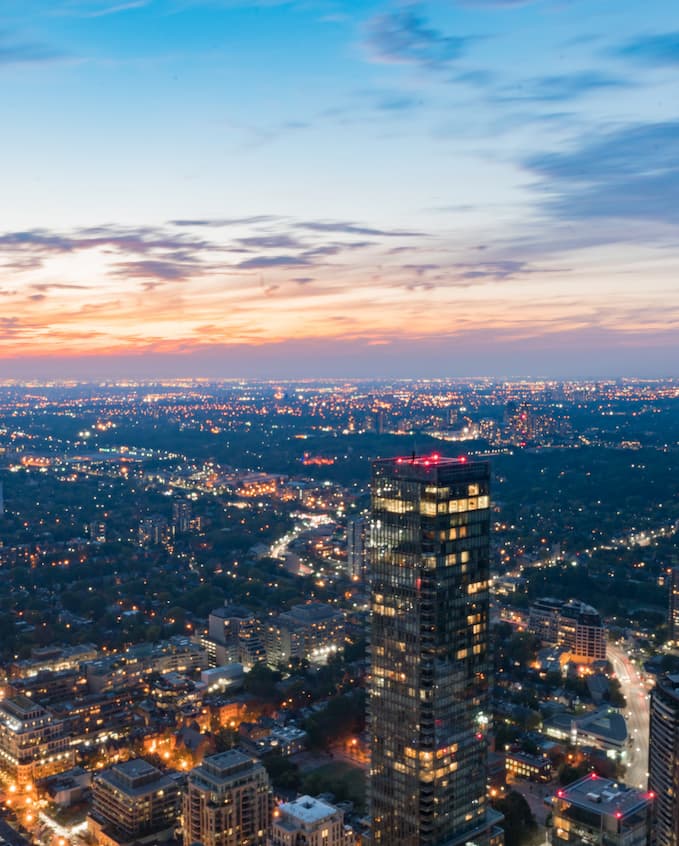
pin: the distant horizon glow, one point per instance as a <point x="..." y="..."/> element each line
<point x="259" y="189"/>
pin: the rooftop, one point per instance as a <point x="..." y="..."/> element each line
<point x="308" y="810"/>
<point x="604" y="796"/>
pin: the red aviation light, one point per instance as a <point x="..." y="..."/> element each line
<point x="618" y="815"/>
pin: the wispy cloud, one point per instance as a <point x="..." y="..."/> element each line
<point x="631" y="173"/>
<point x="560" y="88"/>
<point x="16" y="52"/>
<point x="405" y="37"/>
<point x="660" y="49"/>
<point x="354" y="229"/>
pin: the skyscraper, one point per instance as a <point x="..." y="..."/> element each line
<point x="673" y="617"/>
<point x="430" y="551"/>
<point x="663" y="763"/>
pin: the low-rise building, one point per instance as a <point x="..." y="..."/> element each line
<point x="601" y="812"/>
<point x="526" y="766"/>
<point x="309" y="822"/>
<point x="133" y="802"/>
<point x="33" y="743"/>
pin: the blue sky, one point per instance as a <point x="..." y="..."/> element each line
<point x="350" y="188"/>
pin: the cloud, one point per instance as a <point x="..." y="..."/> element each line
<point x="219" y="222"/>
<point x="404" y="37"/>
<point x="18" y="53"/>
<point x="158" y="270"/>
<point x="280" y="242"/>
<point x="560" y="88"/>
<point x="661" y="49"/>
<point x="632" y="173"/>
<point x="262" y="262"/>
<point x="36" y="244"/>
<point x="354" y="229"/>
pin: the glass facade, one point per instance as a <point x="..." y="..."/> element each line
<point x="429" y="557"/>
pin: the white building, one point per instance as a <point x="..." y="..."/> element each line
<point x="309" y="822"/>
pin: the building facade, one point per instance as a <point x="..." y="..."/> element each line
<point x="34" y="744"/>
<point x="227" y="802"/>
<point x="133" y="802"/>
<point x="429" y="562"/>
<point x="663" y="763"/>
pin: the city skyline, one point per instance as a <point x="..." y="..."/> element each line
<point x="317" y="187"/>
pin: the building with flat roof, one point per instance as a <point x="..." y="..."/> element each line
<point x="234" y="635"/>
<point x="663" y="760"/>
<point x="227" y="802"/>
<point x="601" y="812"/>
<point x="572" y="625"/>
<point x="133" y="802"/>
<point x="314" y="631"/>
<point x="429" y="701"/>
<point x="309" y="822"/>
<point x="33" y="743"/>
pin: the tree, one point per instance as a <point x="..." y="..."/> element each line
<point x="519" y="823"/>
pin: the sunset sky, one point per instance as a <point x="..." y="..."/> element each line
<point x="327" y="187"/>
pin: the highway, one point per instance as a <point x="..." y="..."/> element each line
<point x="636" y="715"/>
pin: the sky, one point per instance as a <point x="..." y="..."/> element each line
<point x="260" y="188"/>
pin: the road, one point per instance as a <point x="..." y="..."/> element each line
<point x="636" y="715"/>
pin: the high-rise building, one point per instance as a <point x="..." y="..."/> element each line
<point x="181" y="516"/>
<point x="314" y="632"/>
<point x="673" y="619"/>
<point x="234" y="635"/>
<point x="663" y="760"/>
<point x="227" y="802"/>
<point x="572" y="625"/>
<point x="601" y="812"/>
<point x="429" y="560"/>
<point x="357" y="531"/>
<point x="133" y="802"/>
<point x="309" y="822"/>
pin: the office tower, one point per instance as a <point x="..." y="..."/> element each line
<point x="601" y="812"/>
<point x="33" y="743"/>
<point x="673" y="620"/>
<point x="429" y="558"/>
<point x="309" y="822"/>
<point x="133" y="802"/>
<point x="2" y="500"/>
<point x="357" y="537"/>
<point x="227" y="802"/>
<point x="663" y="760"/>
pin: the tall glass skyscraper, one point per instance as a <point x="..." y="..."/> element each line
<point x="430" y="560"/>
<point x="663" y="760"/>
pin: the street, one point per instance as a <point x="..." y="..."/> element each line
<point x="636" y="715"/>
